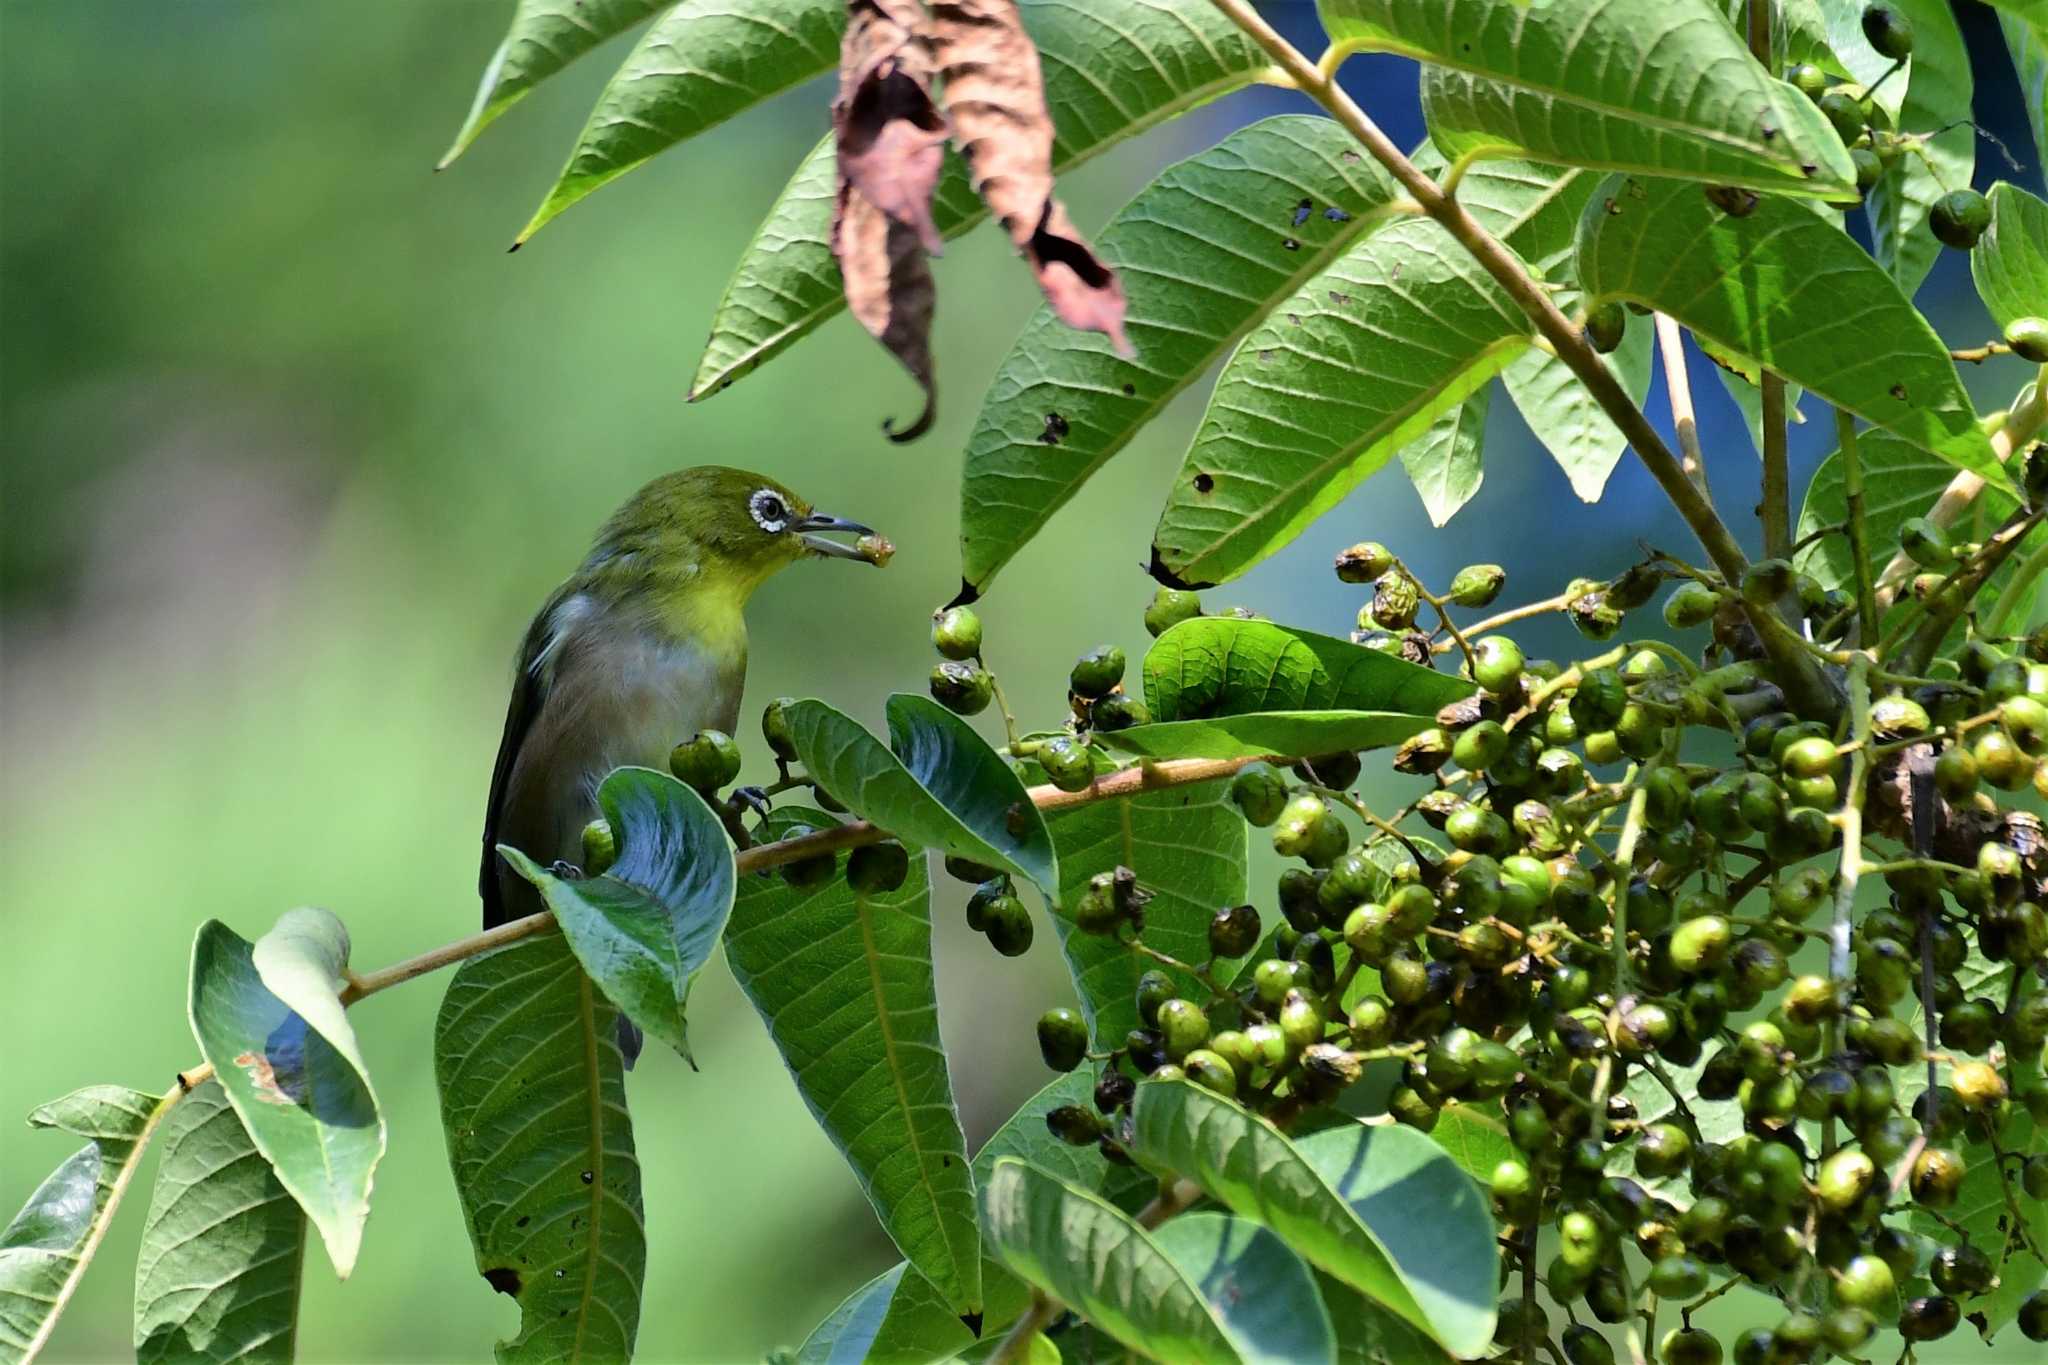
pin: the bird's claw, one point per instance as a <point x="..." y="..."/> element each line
<point x="566" y="870"/>
<point x="754" y="798"/>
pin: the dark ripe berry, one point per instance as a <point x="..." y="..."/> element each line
<point x="775" y="728"/>
<point x="600" y="847"/>
<point x="2028" y="338"/>
<point x="1113" y="1090"/>
<point x="1663" y="1150"/>
<point x="1959" y="218"/>
<point x="1689" y="1346"/>
<point x="1118" y="712"/>
<point x="1074" y="1125"/>
<point x="967" y="870"/>
<point x="1364" y="562"/>
<point x="876" y="869"/>
<point x="707" y="760"/>
<point x="1233" y="932"/>
<point x="956" y="633"/>
<point x="962" y="687"/>
<point x="1008" y="926"/>
<point x="1961" y="1270"/>
<point x="1970" y="1026"/>
<point x="1068" y="764"/>
<point x="1809" y="79"/>
<point x="812" y="871"/>
<point x="1888" y="30"/>
<point x="2033" y="1316"/>
<point x="1477" y="585"/>
<point x="978" y="903"/>
<point x="1497" y="664"/>
<point x="1062" y="1039"/>
<point x="1338" y="770"/>
<point x="1155" y="988"/>
<point x="1097" y="673"/>
<point x="1168" y="608"/>
<point x="1929" y="1318"/>
<point x="1606" y="326"/>
<point x="1936" y="1177"/>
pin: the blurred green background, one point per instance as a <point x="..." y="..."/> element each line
<point x="291" y="450"/>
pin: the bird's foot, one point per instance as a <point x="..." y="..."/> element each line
<point x="754" y="798"/>
<point x="566" y="870"/>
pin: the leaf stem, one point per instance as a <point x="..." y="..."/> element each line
<point x="1671" y="346"/>
<point x="1775" y="505"/>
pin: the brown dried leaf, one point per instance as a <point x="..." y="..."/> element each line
<point x="889" y="288"/>
<point x="995" y="99"/>
<point x="891" y="137"/>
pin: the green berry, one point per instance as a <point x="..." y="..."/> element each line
<point x="775" y="728"/>
<point x="1009" y="926"/>
<point x="1168" y="608"/>
<point x="1869" y="169"/>
<point x="1677" y="1277"/>
<point x="1847" y="112"/>
<point x="1097" y="673"/>
<point x="1208" y="1070"/>
<point x="1062" y="1039"/>
<point x="1497" y="664"/>
<point x="962" y="687"/>
<point x="707" y="760"/>
<point x="1364" y="562"/>
<point x="1295" y="831"/>
<point x="1074" y="1125"/>
<point x="600" y="847"/>
<point x="1395" y="600"/>
<point x="877" y="869"/>
<point x="1690" y="605"/>
<point x="1479" y="745"/>
<point x="1477" y="585"/>
<point x="2028" y="338"/>
<point x="1959" y="218"/>
<point x="1068" y="764"/>
<point x="956" y="633"/>
<point x="1260" y="794"/>
<point x="1606" y="325"/>
<point x="1182" y="1027"/>
<point x="1809" y="79"/>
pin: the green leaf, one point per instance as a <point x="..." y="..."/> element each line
<point x="1094" y="1258"/>
<point x="546" y="35"/>
<point x="1445" y="464"/>
<point x="645" y="928"/>
<point x="1368" y="1334"/>
<point x="1787" y="287"/>
<point x="296" y="1079"/>
<point x="1938" y="90"/>
<point x="1221" y="666"/>
<point x="844" y="983"/>
<point x="943" y="787"/>
<point x="533" y="1102"/>
<point x="1590" y="85"/>
<point x="1899" y="481"/>
<point x="845" y="1335"/>
<point x="2027" y="40"/>
<point x="701" y="63"/>
<point x="1345" y="1199"/>
<point x="1561" y="414"/>
<point x="1294" y="734"/>
<point x="1263" y="1293"/>
<point x="1203" y="252"/>
<point x="1474" y="1136"/>
<point x="1264" y="464"/>
<point x="224" y="1247"/>
<point x="1189" y="846"/>
<point x="47" y="1246"/>
<point x="1111" y="72"/>
<point x="2010" y="264"/>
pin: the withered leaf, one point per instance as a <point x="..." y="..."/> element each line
<point x="891" y="138"/>
<point x="994" y="96"/>
<point x="889" y="288"/>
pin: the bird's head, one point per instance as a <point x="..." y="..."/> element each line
<point x="715" y="525"/>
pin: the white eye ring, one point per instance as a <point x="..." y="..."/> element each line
<point x="770" y="512"/>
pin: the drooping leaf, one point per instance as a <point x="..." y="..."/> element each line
<point x="1938" y="90"/>
<point x="1203" y="251"/>
<point x="1345" y="1198"/>
<point x="533" y="1103"/>
<point x="1785" y="286"/>
<point x="943" y="787"/>
<point x="1220" y="666"/>
<point x="844" y="983"/>
<point x="699" y="64"/>
<point x="46" y="1248"/>
<point x="1591" y="85"/>
<point x="890" y="291"/>
<point x="1262" y="1292"/>
<point x="546" y="35"/>
<point x="1110" y="73"/>
<point x="1445" y="464"/>
<point x="2026" y="38"/>
<point x="297" y="1081"/>
<point x="646" y="927"/>
<point x="1400" y="329"/>
<point x="1561" y="414"/>
<point x="1093" y="1257"/>
<point x="224" y="1247"/>
<point x="1292" y="734"/>
<point x="2010" y="263"/>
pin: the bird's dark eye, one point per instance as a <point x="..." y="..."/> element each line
<point x="769" y="511"/>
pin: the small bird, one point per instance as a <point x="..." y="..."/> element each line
<point x="644" y="646"/>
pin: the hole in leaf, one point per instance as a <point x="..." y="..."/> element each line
<point x="1055" y="429"/>
<point x="504" y="1279"/>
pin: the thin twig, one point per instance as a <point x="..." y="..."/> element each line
<point x="1775" y="505"/>
<point x="1671" y="345"/>
<point x="1859" y="534"/>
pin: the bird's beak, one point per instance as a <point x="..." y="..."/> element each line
<point x="807" y="528"/>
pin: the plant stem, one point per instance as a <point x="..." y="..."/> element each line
<point x="1859" y="534"/>
<point x="1671" y="345"/>
<point x="2015" y="591"/>
<point x="1507" y="618"/>
<point x="1851" y="824"/>
<point x="1775" y="506"/>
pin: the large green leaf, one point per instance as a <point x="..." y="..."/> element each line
<point x="1938" y="89"/>
<point x="1789" y="288"/>
<point x="1221" y="666"/>
<point x="224" y="1248"/>
<point x="1659" y="86"/>
<point x="546" y="35"/>
<point x="1111" y="72"/>
<point x="294" y="1075"/>
<point x="942" y="786"/>
<point x="1561" y="414"/>
<point x="700" y="63"/>
<point x="1401" y="329"/>
<point x="2010" y="264"/>
<point x="533" y="1102"/>
<point x="845" y="985"/>
<point x="1093" y="1257"/>
<point x="1345" y="1198"/>
<point x="1294" y="734"/>
<point x="47" y="1246"/>
<point x="848" y="1331"/>
<point x="1474" y="1136"/>
<point x="1263" y="1293"/>
<point x="645" y="928"/>
<point x="1369" y="1334"/>
<point x="1189" y="847"/>
<point x="1203" y="252"/>
<point x="1445" y="463"/>
<point x="2027" y="40"/>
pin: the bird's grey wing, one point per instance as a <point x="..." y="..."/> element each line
<point x="529" y="692"/>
